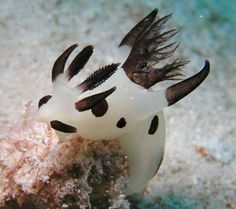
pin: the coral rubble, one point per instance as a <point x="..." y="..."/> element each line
<point x="39" y="171"/>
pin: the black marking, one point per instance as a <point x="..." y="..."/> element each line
<point x="170" y="71"/>
<point x="148" y="42"/>
<point x="91" y="101"/>
<point x="79" y="61"/>
<point x="121" y="123"/>
<point x="100" y="109"/>
<point x="62" y="127"/>
<point x="154" y="125"/>
<point x="139" y="29"/>
<point x="98" y="77"/>
<point x="164" y="52"/>
<point x="44" y="100"/>
<point x="59" y="64"/>
<point x="179" y="90"/>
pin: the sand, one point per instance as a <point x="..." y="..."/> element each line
<point x="199" y="165"/>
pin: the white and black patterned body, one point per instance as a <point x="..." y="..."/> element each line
<point x="118" y="101"/>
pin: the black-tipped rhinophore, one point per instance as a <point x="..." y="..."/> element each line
<point x="148" y="40"/>
<point x="98" y="77"/>
<point x="139" y="29"/>
<point x="91" y="101"/>
<point x="59" y="64"/>
<point x="44" y="100"/>
<point x="79" y="61"/>
<point x="179" y="90"/>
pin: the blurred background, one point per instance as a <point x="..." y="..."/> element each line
<point x="199" y="165"/>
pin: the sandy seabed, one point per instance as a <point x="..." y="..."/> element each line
<point x="199" y="165"/>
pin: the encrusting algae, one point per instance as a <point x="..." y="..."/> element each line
<point x="38" y="171"/>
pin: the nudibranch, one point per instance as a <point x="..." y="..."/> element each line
<point x="118" y="101"/>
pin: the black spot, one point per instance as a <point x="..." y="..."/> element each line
<point x="154" y="125"/>
<point x="44" y="100"/>
<point x="100" y="109"/>
<point x="121" y="123"/>
<point x="59" y="126"/>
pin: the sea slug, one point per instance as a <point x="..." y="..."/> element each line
<point x="119" y="101"/>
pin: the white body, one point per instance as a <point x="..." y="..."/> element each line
<point x="125" y="95"/>
<point x="134" y="103"/>
<point x="145" y="153"/>
<point x="129" y="100"/>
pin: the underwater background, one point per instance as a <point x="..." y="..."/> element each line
<point x="199" y="165"/>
